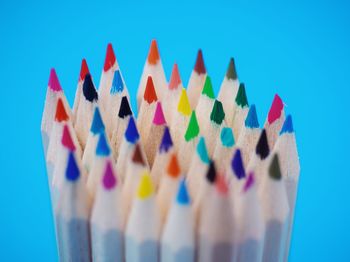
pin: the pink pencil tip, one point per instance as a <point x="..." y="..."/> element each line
<point x="221" y="185"/>
<point x="54" y="84"/>
<point x="175" y="79"/>
<point x="67" y="140"/>
<point x="275" y="110"/>
<point x="109" y="179"/>
<point x="159" y="118"/>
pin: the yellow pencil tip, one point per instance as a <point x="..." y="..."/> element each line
<point x="184" y="105"/>
<point x="145" y="189"/>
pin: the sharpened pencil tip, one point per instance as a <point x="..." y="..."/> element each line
<point x="221" y="185"/>
<point x="192" y="128"/>
<point x="84" y="70"/>
<point x="109" y="179"/>
<point x="102" y="148"/>
<point x="150" y="94"/>
<point x="153" y="54"/>
<point x="208" y="88"/>
<point x="67" y="140"/>
<point x="237" y="165"/>
<point x="124" y="109"/>
<point x="249" y="182"/>
<point x="251" y="120"/>
<point x="227" y="138"/>
<point x="110" y="58"/>
<point x="173" y="168"/>
<point x="61" y="114"/>
<point x="97" y="125"/>
<point x="184" y="104"/>
<point x="167" y="142"/>
<point x="175" y="79"/>
<point x="54" y="83"/>
<point x="72" y="170"/>
<point x="211" y="173"/>
<point x="241" y="97"/>
<point x="275" y="110"/>
<point x="199" y="66"/>
<point x="287" y="125"/>
<point x="137" y="157"/>
<point x="145" y="188"/>
<point x="262" y="147"/>
<point x="231" y="72"/>
<point x="158" y="118"/>
<point x="89" y="89"/>
<point x="131" y="133"/>
<point x="183" y="198"/>
<point x="274" y="168"/>
<point x="202" y="150"/>
<point x="217" y="113"/>
<point x="117" y="83"/>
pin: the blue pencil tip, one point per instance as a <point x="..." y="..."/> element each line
<point x="167" y="142"/>
<point x="251" y="120"/>
<point x="237" y="165"/>
<point x="117" y="84"/>
<point x="102" y="148"/>
<point x="287" y="125"/>
<point x="131" y="133"/>
<point x="183" y="197"/>
<point x="202" y="150"/>
<point x="97" y="125"/>
<point x="72" y="170"/>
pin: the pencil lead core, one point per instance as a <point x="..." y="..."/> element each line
<point x="137" y="156"/>
<point x="193" y="127"/>
<point x="199" y="66"/>
<point x="167" y="142"/>
<point x="145" y="188"/>
<point x="61" y="114"/>
<point x="109" y="179"/>
<point x="110" y="58"/>
<point x="221" y="185"/>
<point x="97" y="125"/>
<point x="183" y="197"/>
<point x="227" y="138"/>
<point x="237" y="165"/>
<point x="131" y="133"/>
<point x="173" y="168"/>
<point x="84" y="70"/>
<point x="54" y="83"/>
<point x="251" y="120"/>
<point x="102" y="148"/>
<point x="158" y="118"/>
<point x="275" y="110"/>
<point x="262" y="147"/>
<point x="124" y="109"/>
<point x="211" y="173"/>
<point x="175" y="79"/>
<point x="249" y="182"/>
<point x="274" y="168"/>
<point x="241" y="98"/>
<point x="231" y="72"/>
<point x="184" y="104"/>
<point x="67" y="140"/>
<point x="89" y="90"/>
<point x="72" y="169"/>
<point x="117" y="84"/>
<point x="208" y="88"/>
<point x="153" y="54"/>
<point x="150" y="94"/>
<point x="202" y="150"/>
<point x="287" y="125"/>
<point x="217" y="113"/>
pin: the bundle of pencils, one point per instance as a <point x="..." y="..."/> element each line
<point x="193" y="178"/>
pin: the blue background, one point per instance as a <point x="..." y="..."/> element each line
<point x="299" y="49"/>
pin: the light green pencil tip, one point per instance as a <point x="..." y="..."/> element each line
<point x="193" y="127"/>
<point x="208" y="88"/>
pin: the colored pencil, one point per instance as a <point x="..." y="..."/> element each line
<point x="236" y="174"/>
<point x="275" y="208"/>
<point x="85" y="110"/>
<point x="216" y="227"/>
<point x="224" y="149"/>
<point x="120" y="124"/>
<point x="205" y="103"/>
<point x="250" y="227"/>
<point x="274" y="121"/>
<point x="178" y="239"/>
<point x="240" y="110"/>
<point x="168" y="187"/>
<point x="287" y="151"/>
<point x="197" y="79"/>
<point x="54" y="91"/>
<point x="172" y="94"/>
<point x="72" y="216"/>
<point x="249" y="135"/>
<point x="142" y="231"/>
<point x="152" y="142"/>
<point x="97" y="127"/>
<point x="228" y="90"/>
<point x="166" y="149"/>
<point x="106" y="219"/>
<point x="180" y="119"/>
<point x="198" y="167"/>
<point x="189" y="142"/>
<point x="153" y="68"/>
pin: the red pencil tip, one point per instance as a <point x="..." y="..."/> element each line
<point x="150" y="93"/>
<point x="175" y="79"/>
<point x="173" y="169"/>
<point x="275" y="110"/>
<point x="84" y="70"/>
<point x="221" y="185"/>
<point x="153" y="55"/>
<point x="61" y="114"/>
<point x="110" y="58"/>
<point x="199" y="67"/>
<point x="67" y="140"/>
<point x="54" y="84"/>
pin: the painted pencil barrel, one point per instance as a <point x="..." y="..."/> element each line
<point x="275" y="241"/>
<point x="181" y="255"/>
<point x="106" y="245"/>
<point x="73" y="239"/>
<point x="146" y="251"/>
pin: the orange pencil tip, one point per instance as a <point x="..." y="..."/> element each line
<point x="153" y="55"/>
<point x="173" y="167"/>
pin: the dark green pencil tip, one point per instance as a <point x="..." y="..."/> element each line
<point x="217" y="113"/>
<point x="241" y="98"/>
<point x="231" y="70"/>
<point x="274" y="169"/>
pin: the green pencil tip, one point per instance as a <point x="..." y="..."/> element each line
<point x="217" y="113"/>
<point x="231" y="70"/>
<point x="274" y="169"/>
<point x="193" y="127"/>
<point x="241" y="98"/>
<point x="208" y="88"/>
